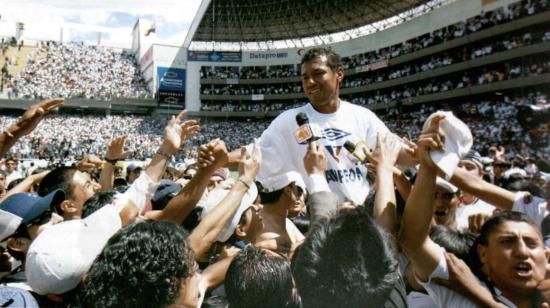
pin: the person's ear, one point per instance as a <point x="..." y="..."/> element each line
<point x="68" y="206"/>
<point x="482" y="253"/>
<point x="340" y="74"/>
<point x="20" y="244"/>
<point x="240" y="231"/>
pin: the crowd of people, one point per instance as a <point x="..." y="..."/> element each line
<point x="498" y="72"/>
<point x="477" y="23"/>
<point x="474" y="77"/>
<point x="423" y="222"/>
<point x="328" y="205"/>
<point x="249" y="72"/>
<point x="75" y="70"/>
<point x="494" y="123"/>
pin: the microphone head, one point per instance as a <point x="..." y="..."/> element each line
<point x="301" y="119"/>
<point x="348" y="145"/>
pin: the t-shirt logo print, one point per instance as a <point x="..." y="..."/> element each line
<point x="334" y="151"/>
<point x="335" y="134"/>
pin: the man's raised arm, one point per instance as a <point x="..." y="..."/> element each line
<point x="28" y="122"/>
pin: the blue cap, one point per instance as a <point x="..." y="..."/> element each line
<point x="29" y="206"/>
<point x="16" y="297"/>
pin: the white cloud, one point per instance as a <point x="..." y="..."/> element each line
<point x="44" y="18"/>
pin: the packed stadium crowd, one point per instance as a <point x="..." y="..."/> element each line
<point x="330" y="204"/>
<point x="477" y="23"/>
<point x="494" y="122"/>
<point x="80" y="71"/>
<point x="485" y="75"/>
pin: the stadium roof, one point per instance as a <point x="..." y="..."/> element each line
<point x="279" y="20"/>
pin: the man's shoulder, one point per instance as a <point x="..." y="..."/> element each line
<point x="287" y="116"/>
<point x="356" y="109"/>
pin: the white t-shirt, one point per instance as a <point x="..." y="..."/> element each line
<point x="282" y="153"/>
<point x="536" y="210"/>
<point x="464" y="211"/>
<point x="420" y="300"/>
<point x="444" y="297"/>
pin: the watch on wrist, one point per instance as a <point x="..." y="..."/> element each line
<point x="111" y="161"/>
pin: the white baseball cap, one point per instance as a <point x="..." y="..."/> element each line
<point x="446" y="185"/>
<point x="280" y="181"/>
<point x="458" y="141"/>
<point x="63" y="253"/>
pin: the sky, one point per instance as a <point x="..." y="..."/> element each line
<point x="82" y="20"/>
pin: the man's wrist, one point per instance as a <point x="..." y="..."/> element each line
<point x="166" y="150"/>
<point x="163" y="154"/>
<point x="111" y="161"/>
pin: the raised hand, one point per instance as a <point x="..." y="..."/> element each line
<point x="431" y="139"/>
<point x="212" y="154"/>
<point x="115" y="151"/>
<point x="177" y="133"/>
<point x="250" y="164"/>
<point x="30" y="119"/>
<point x="387" y="150"/>
<point x="315" y="160"/>
<point x="89" y="162"/>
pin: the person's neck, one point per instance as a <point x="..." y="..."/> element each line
<point x="520" y="300"/>
<point x="331" y="107"/>
<point x="276" y="212"/>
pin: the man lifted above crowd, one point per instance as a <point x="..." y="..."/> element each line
<point x="340" y="121"/>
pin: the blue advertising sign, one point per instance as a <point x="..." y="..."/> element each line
<point x="214" y="56"/>
<point x="171" y="79"/>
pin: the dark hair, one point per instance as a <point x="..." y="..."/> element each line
<point x="333" y="59"/>
<point x="58" y="178"/>
<point x="268" y="197"/>
<point x="302" y="222"/>
<point x="454" y="241"/>
<point x="96" y="202"/>
<point x="242" y="221"/>
<point x="120" y="182"/>
<point x="523" y="185"/>
<point x="256" y="278"/>
<point x="348" y="261"/>
<point x="494" y="222"/>
<point x="142" y="265"/>
<point x="2" y="172"/>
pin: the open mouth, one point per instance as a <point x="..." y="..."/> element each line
<point x="524" y="269"/>
<point x="314" y="91"/>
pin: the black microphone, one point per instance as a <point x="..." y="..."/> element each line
<point x="306" y="133"/>
<point x="357" y="150"/>
<point x="301" y="119"/>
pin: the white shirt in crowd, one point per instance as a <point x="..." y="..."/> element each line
<point x="283" y="153"/>
<point x="463" y="212"/>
